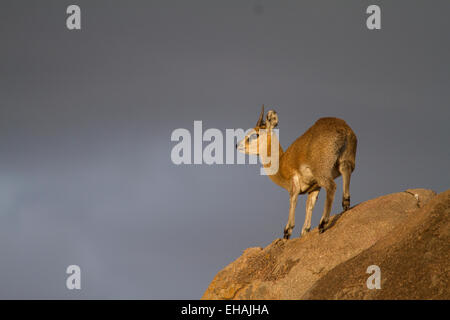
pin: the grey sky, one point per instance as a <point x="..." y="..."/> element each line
<point x="86" y="118"/>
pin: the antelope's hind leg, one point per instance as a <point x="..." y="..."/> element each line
<point x="310" y="203"/>
<point x="330" y="186"/>
<point x="345" y="168"/>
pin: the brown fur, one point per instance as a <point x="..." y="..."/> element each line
<point x="325" y="145"/>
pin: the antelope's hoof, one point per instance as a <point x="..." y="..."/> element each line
<point x="305" y="231"/>
<point x="287" y="234"/>
<point x="346" y="203"/>
<point x="322" y="226"/>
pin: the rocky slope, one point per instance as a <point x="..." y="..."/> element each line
<point x="406" y="234"/>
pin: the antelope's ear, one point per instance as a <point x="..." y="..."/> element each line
<point x="271" y="119"/>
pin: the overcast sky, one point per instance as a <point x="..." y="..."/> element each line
<point x="86" y="118"/>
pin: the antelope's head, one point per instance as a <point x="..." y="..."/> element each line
<point x="259" y="138"/>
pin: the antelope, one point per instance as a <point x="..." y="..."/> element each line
<point x="324" y="152"/>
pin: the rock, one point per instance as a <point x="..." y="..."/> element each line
<point x="406" y="234"/>
<point x="414" y="261"/>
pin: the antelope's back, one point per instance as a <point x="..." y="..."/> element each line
<point x="322" y="143"/>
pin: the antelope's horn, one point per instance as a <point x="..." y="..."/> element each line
<point x="260" y="120"/>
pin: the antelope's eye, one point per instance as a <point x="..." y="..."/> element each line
<point x="254" y="136"/>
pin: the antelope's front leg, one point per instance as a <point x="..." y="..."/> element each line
<point x="293" y="197"/>
<point x="291" y="220"/>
